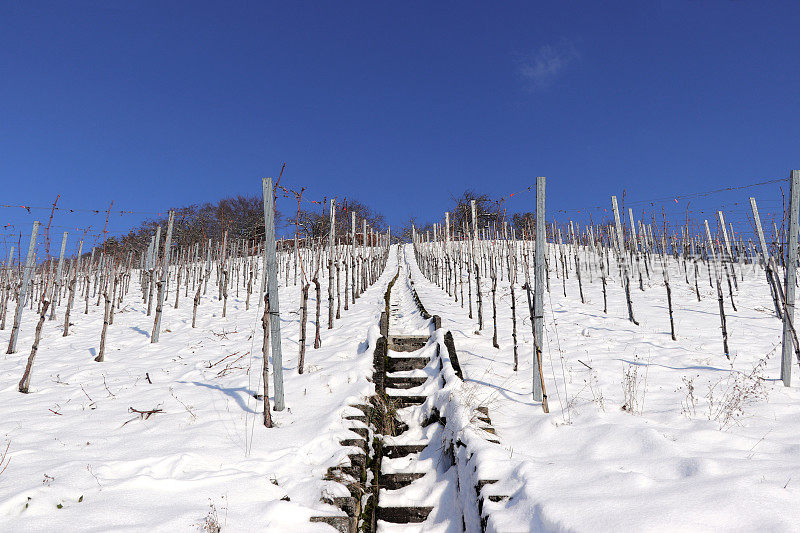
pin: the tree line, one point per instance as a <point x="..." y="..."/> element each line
<point x="243" y="218"/>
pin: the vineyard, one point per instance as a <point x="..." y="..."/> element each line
<point x="481" y="373"/>
<point x="487" y="375"/>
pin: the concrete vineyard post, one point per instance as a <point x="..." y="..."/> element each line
<point x="153" y="260"/>
<point x="538" y="298"/>
<point x="59" y="270"/>
<point x="271" y="269"/>
<point x="26" y="275"/>
<point x="331" y="246"/>
<point x="770" y="274"/>
<point x="620" y="242"/>
<point x="727" y="241"/>
<point x="353" y="256"/>
<point x="476" y="262"/>
<point x="791" y="277"/>
<point x="164" y="275"/>
<point x="364" y="255"/>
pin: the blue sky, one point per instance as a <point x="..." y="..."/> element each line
<point x="400" y="105"/>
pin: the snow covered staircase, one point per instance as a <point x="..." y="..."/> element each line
<point x="416" y="481"/>
<point x="421" y="471"/>
<point x="351" y="476"/>
<point x="402" y="472"/>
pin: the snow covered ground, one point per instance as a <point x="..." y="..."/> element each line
<point x="704" y="443"/>
<point x="79" y="460"/>
<point x="721" y="457"/>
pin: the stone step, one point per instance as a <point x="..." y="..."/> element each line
<point x="403" y="515"/>
<point x="405" y="382"/>
<point x="406" y="401"/>
<point x="342" y="524"/>
<point x="407" y="343"/>
<point x="399" y="480"/>
<point x="362" y="432"/>
<point x="393" y="451"/>
<point x="401" y="364"/>
<point x="360" y="443"/>
<point x="360" y="418"/>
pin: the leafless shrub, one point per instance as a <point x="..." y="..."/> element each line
<point x="211" y="522"/>
<point x="597" y="392"/>
<point x="634" y="386"/>
<point x="189" y="408"/>
<point x="630" y="382"/>
<point x="728" y="397"/>
<point x="689" y="403"/>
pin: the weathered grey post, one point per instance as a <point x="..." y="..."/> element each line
<point x="364" y="257"/>
<point x="164" y="275"/>
<point x="451" y="274"/>
<point x="59" y="269"/>
<point x="271" y="270"/>
<point x="26" y="274"/>
<point x="7" y="293"/>
<point x="331" y="247"/>
<point x="729" y="252"/>
<point x="475" y="251"/>
<point x="353" y="255"/>
<point x="153" y="260"/>
<point x="621" y="248"/>
<point x="538" y="298"/>
<point x="72" y="283"/>
<point x="791" y="277"/>
<point x="771" y="276"/>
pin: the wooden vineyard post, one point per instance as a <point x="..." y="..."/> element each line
<point x="265" y="323"/>
<point x="25" y="382"/>
<point x="101" y="353"/>
<point x="538" y="298"/>
<point x="791" y="277"/>
<point x="26" y="274"/>
<point x="668" y="288"/>
<point x="271" y="270"/>
<point x="511" y="260"/>
<point x="164" y="275"/>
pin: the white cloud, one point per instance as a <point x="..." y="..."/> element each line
<point x="542" y="67"/>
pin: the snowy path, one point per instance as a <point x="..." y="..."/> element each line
<point x="405" y="317"/>
<point x="421" y="483"/>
